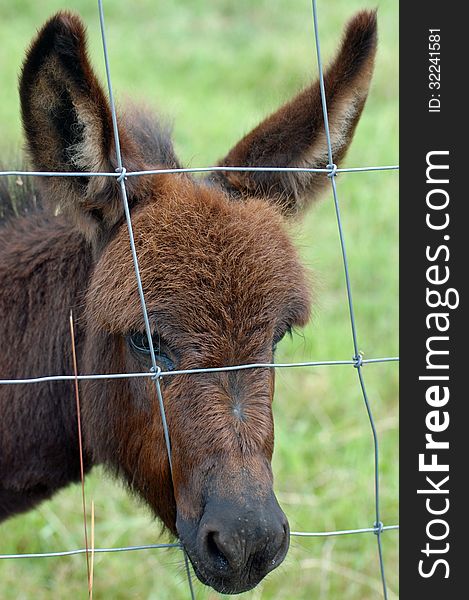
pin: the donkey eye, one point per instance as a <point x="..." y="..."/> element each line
<point x="139" y="343"/>
<point x="278" y="337"/>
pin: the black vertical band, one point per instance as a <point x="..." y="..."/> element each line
<point x="434" y="323"/>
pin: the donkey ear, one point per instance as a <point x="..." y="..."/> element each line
<point x="294" y="135"/>
<point x="68" y="126"/>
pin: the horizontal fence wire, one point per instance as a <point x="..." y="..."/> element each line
<point x="160" y="373"/>
<point x="118" y="175"/>
<point x="178" y="545"/>
<point x="358" y="362"/>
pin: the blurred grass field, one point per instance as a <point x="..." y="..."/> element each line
<point x="217" y="68"/>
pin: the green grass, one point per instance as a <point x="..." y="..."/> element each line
<point x="217" y="68"/>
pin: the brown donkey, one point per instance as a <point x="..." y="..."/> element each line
<point x="222" y="282"/>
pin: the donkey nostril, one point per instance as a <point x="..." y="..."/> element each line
<point x="214" y="551"/>
<point x="283" y="542"/>
<point x="244" y="546"/>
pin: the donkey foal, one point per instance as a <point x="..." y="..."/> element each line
<point x="222" y="281"/>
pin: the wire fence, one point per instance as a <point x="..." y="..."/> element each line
<point x="156" y="373"/>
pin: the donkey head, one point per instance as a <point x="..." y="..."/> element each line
<point x="222" y="284"/>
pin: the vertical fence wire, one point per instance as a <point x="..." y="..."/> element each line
<point x="121" y="181"/>
<point x="123" y="189"/>
<point x="156" y="373"/>
<point x="357" y="357"/>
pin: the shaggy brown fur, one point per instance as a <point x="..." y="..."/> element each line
<point x="222" y="283"/>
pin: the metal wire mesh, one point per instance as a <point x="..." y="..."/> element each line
<point x="156" y="373"/>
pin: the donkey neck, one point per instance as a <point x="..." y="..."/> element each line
<point x="44" y="270"/>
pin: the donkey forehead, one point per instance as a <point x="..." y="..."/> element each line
<point x="202" y="257"/>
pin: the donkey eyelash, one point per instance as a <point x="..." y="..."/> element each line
<point x="138" y="341"/>
<point x="279" y="337"/>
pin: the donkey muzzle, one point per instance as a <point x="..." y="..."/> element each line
<point x="235" y="545"/>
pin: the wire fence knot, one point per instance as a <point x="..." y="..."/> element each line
<point x="122" y="176"/>
<point x="378" y="527"/>
<point x="156" y="373"/>
<point x="358" y="360"/>
<point x="332" y="170"/>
